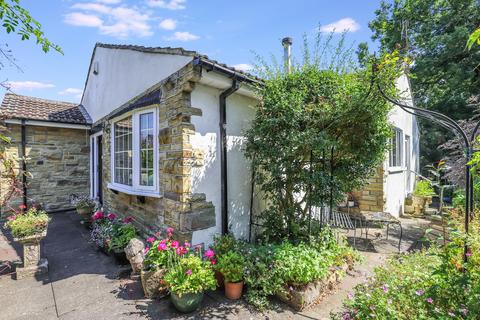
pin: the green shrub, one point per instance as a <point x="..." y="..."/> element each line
<point x="423" y="188"/>
<point x="28" y="224"/>
<point x="121" y="235"/>
<point x="231" y="265"/>
<point x="223" y="244"/>
<point x="190" y="275"/>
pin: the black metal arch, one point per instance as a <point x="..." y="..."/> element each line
<point x="454" y="127"/>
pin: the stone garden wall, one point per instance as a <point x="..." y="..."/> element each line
<point x="372" y="196"/>
<point x="57" y="160"/>
<point x="177" y="206"/>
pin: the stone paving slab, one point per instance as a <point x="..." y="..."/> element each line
<point x="84" y="283"/>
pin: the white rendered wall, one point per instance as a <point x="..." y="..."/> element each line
<point x="124" y="74"/>
<point x="396" y="188"/>
<point x="207" y="179"/>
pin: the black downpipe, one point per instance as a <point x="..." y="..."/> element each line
<point x="223" y="152"/>
<point x="24" y="163"/>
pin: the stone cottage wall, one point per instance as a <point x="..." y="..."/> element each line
<point x="177" y="206"/>
<point x="372" y="196"/>
<point x="57" y="161"/>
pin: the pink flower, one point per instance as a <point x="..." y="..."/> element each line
<point x="111" y="216"/>
<point x="128" y="219"/>
<point x="213" y="261"/>
<point x="145" y="250"/>
<point x="419" y="292"/>
<point x="150" y="239"/>
<point x="22" y="207"/>
<point x="209" y="254"/>
<point x="170" y="230"/>
<point x="181" y="251"/>
<point x="189" y="272"/>
<point x="10" y="218"/>
<point x="385" y="288"/>
<point x="198" y="247"/>
<point x="162" y="246"/>
<point x="187" y="244"/>
<point x="429" y="300"/>
<point x="469" y="253"/>
<point x="97" y="215"/>
<point x="174" y="244"/>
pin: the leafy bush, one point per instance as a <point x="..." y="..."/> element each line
<point x="190" y="275"/>
<point x="223" y="244"/>
<point x="430" y="284"/>
<point x="231" y="265"/>
<point x="28" y="224"/>
<point x="423" y="188"/>
<point x="122" y="233"/>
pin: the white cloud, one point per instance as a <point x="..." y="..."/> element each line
<point x="70" y="91"/>
<point x="83" y="20"/>
<point x="243" y="67"/>
<point x="109" y="1"/>
<point x="28" y="85"/>
<point x="120" y="22"/>
<point x="167" y="4"/>
<point x="183" y="36"/>
<point x="342" y="25"/>
<point x="168" y="24"/>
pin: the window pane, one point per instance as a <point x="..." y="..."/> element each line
<point x="146" y="149"/>
<point x="123" y="151"/>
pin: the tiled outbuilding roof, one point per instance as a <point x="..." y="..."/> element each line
<point x="16" y="106"/>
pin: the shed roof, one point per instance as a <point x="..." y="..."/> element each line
<point x="16" y="106"/>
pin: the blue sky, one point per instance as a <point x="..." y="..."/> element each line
<point x="227" y="31"/>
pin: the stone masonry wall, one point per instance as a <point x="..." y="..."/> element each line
<point x="372" y="197"/>
<point x="177" y="206"/>
<point x="57" y="161"/>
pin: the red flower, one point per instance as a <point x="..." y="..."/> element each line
<point x="128" y="219"/>
<point x="22" y="207"/>
<point x="111" y="216"/>
<point x="97" y="215"/>
<point x="174" y="244"/>
<point x="213" y="261"/>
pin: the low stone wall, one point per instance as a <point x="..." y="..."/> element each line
<point x="57" y="161"/>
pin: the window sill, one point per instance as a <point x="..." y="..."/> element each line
<point x="396" y="170"/>
<point x="144" y="193"/>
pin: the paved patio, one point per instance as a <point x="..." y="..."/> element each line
<point x="83" y="283"/>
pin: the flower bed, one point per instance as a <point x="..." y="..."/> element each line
<point x="430" y="284"/>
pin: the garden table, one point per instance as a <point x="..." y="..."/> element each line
<point x="380" y="217"/>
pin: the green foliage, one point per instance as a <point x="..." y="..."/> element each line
<point x="473" y="39"/>
<point x="28" y="224"/>
<point x="458" y="199"/>
<point x="423" y="188"/>
<point x="190" y="275"/>
<point x="121" y="235"/>
<point x="445" y="76"/>
<point x="223" y="244"/>
<point x="316" y="130"/>
<point x="231" y="265"/>
<point x="430" y="284"/>
<point x="16" y="19"/>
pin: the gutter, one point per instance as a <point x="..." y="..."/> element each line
<point x="24" y="163"/>
<point x="223" y="152"/>
<point x="212" y="66"/>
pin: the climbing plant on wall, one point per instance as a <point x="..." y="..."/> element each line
<point x="319" y="129"/>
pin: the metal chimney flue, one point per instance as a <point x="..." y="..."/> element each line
<point x="287" y="53"/>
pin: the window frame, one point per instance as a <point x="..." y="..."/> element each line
<point x="136" y="188"/>
<point x="399" y="150"/>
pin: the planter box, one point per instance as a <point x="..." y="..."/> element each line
<point x="302" y="297"/>
<point x="420" y="204"/>
<point x="33" y="265"/>
<point x="152" y="283"/>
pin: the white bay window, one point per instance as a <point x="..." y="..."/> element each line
<point x="134" y="154"/>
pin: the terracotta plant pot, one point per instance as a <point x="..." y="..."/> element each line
<point x="233" y="290"/>
<point x="220" y="279"/>
<point x="188" y="302"/>
<point x="85" y="212"/>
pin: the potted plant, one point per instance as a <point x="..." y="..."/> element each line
<point x="84" y="206"/>
<point x="29" y="229"/>
<point x="187" y="281"/>
<point x="422" y="196"/>
<point x="232" y="266"/>
<point x="102" y="230"/>
<point x="122" y="233"/>
<point x="221" y="245"/>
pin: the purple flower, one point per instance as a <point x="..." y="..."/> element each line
<point x="429" y="300"/>
<point x="419" y="292"/>
<point x="189" y="272"/>
<point x="385" y="288"/>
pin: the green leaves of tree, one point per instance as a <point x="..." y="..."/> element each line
<point x="14" y="18"/>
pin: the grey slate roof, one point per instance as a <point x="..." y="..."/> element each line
<point x="16" y="106"/>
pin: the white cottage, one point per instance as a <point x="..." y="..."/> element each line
<point x="166" y="142"/>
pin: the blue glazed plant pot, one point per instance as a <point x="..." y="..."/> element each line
<point x="188" y="302"/>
